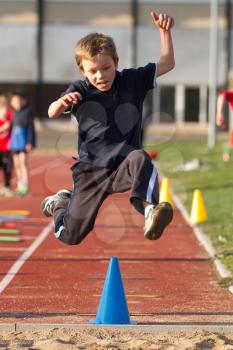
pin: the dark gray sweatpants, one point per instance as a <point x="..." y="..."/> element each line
<point x="75" y="218"/>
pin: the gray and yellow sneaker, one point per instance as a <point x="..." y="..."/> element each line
<point x="157" y="219"/>
<point x="49" y="203"/>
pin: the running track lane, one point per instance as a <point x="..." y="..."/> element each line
<point x="171" y="280"/>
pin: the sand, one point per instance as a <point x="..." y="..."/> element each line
<point x="91" y="339"/>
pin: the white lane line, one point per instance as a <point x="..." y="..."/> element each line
<point x="204" y="239"/>
<point x="30" y="250"/>
<point x="201" y="237"/>
<point x="24" y="257"/>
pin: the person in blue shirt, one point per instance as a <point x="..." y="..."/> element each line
<point x="108" y="107"/>
<point x="22" y="140"/>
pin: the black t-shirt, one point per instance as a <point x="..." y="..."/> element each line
<point x="110" y="122"/>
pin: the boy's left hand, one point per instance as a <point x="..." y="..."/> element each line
<point x="28" y="147"/>
<point x="163" y="21"/>
<point x="221" y="121"/>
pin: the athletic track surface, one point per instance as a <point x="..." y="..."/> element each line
<point x="169" y="281"/>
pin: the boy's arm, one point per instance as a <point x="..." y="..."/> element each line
<point x="31" y="134"/>
<point x="63" y="103"/>
<point x="166" y="60"/>
<point x="5" y="127"/>
<point x="220" y="117"/>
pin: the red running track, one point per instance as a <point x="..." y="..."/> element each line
<point x="171" y="280"/>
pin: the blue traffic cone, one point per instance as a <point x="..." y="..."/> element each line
<point x="113" y="307"/>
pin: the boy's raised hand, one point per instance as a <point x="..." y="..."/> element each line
<point x="162" y="21"/>
<point x="221" y="121"/>
<point x="70" y="99"/>
<point x="63" y="103"/>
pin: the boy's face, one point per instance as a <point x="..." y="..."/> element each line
<point x="17" y="102"/>
<point x="100" y="71"/>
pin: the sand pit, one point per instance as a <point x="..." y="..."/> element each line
<point x="97" y="339"/>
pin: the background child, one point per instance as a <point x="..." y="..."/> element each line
<point x="108" y="107"/>
<point x="22" y="140"/>
<point x="223" y="97"/>
<point x="5" y="154"/>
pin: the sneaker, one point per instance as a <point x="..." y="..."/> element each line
<point x="158" y="218"/>
<point x="2" y="190"/>
<point x="49" y="203"/>
<point x="6" y="192"/>
<point x="22" y="191"/>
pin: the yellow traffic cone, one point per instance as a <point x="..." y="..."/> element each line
<point x="198" y="211"/>
<point x="165" y="195"/>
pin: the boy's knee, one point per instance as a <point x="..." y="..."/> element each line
<point x="140" y="155"/>
<point x="71" y="240"/>
<point x="75" y="235"/>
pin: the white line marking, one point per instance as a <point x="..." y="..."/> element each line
<point x="30" y="250"/>
<point x="24" y="257"/>
<point x="202" y="238"/>
<point x="205" y="241"/>
<point x="25" y="238"/>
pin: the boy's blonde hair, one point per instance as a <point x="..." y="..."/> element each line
<point x="94" y="44"/>
<point x="3" y="101"/>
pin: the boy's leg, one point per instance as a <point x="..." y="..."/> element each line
<point x="75" y="213"/>
<point x="7" y="168"/>
<point x="4" y="168"/>
<point x="226" y="154"/>
<point x="138" y="173"/>
<point x="23" y="173"/>
<point x="17" y="168"/>
<point x="1" y="167"/>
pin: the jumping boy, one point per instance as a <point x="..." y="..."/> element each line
<point x="108" y="108"/>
